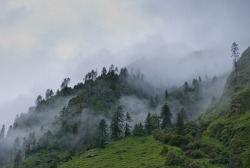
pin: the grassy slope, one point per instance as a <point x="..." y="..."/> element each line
<point x="137" y="152"/>
<point x="230" y="126"/>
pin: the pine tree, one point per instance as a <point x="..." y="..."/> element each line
<point x="183" y="114"/>
<point x="166" y="94"/>
<point x="18" y="159"/>
<point x="2" y="133"/>
<point x="127" y="126"/>
<point x="235" y="55"/>
<point x="165" y="116"/>
<point x="16" y="147"/>
<point x="155" y="121"/>
<point x="149" y="124"/>
<point x="138" y="130"/>
<point x="103" y="134"/>
<point x="117" y="124"/>
<point x="180" y="123"/>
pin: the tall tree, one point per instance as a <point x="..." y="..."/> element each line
<point x="179" y="123"/>
<point x="149" y="124"/>
<point x="166" y="93"/>
<point x="128" y="120"/>
<point x="186" y="86"/>
<point x="18" y="159"/>
<point x="138" y="130"/>
<point x="166" y="116"/>
<point x="155" y="121"/>
<point x="235" y="55"/>
<point x="39" y="99"/>
<point x="104" y="72"/>
<point x="183" y="114"/>
<point x="103" y="133"/>
<point x="2" y="133"/>
<point x="65" y="83"/>
<point x="117" y="124"/>
<point x="49" y="93"/>
<point x="16" y="147"/>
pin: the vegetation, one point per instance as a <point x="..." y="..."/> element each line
<point x="70" y="128"/>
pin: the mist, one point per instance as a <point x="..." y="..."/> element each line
<point x="169" y="41"/>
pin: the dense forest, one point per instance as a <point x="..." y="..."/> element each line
<point x="203" y="123"/>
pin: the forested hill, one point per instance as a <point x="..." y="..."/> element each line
<point x="198" y="124"/>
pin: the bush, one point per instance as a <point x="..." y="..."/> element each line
<point x="196" y="154"/>
<point x="178" y="140"/>
<point x="164" y="150"/>
<point x="174" y="160"/>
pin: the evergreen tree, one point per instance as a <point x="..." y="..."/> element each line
<point x="165" y="116"/>
<point x="103" y="134"/>
<point x="166" y="94"/>
<point x="117" y="124"/>
<point x="65" y="83"/>
<point x="2" y="133"/>
<point x="149" y="124"/>
<point x="186" y="86"/>
<point x="9" y="131"/>
<point x="18" y="159"/>
<point x="16" y="147"/>
<point x="127" y="126"/>
<point x="155" y="121"/>
<point x="235" y="55"/>
<point x="49" y="93"/>
<point x="39" y="99"/>
<point x="104" y="72"/>
<point x="200" y="80"/>
<point x="180" y="123"/>
<point x="183" y="114"/>
<point x="138" y="130"/>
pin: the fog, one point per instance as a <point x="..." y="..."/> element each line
<point x="43" y="42"/>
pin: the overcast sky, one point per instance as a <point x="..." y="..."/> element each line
<point x="44" y="41"/>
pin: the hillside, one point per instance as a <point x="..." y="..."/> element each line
<point x="219" y="138"/>
<point x="65" y="127"/>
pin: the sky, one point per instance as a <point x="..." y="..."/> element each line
<point x="44" y="41"/>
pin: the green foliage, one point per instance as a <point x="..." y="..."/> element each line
<point x="178" y="140"/>
<point x="45" y="158"/>
<point x="138" y="130"/>
<point x="129" y="152"/>
<point x="117" y="124"/>
<point x="102" y="133"/>
<point x="149" y="124"/>
<point x="166" y="116"/>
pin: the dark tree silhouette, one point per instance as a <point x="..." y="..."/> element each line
<point x="165" y="116"/>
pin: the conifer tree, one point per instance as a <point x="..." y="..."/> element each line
<point x="18" y="159"/>
<point x="165" y="116"/>
<point x="180" y="123"/>
<point x="155" y="121"/>
<point x="183" y="114"/>
<point x="235" y="55"/>
<point x="166" y="94"/>
<point x="127" y="126"/>
<point x="117" y="124"/>
<point x="103" y="133"/>
<point x="149" y="124"/>
<point x="138" y="130"/>
<point x="2" y="133"/>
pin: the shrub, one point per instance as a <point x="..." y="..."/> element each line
<point x="178" y="140"/>
<point x="164" y="150"/>
<point x="174" y="160"/>
<point x="196" y="154"/>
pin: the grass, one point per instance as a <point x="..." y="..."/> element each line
<point x="128" y="153"/>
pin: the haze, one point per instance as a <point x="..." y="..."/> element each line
<point x="42" y="42"/>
